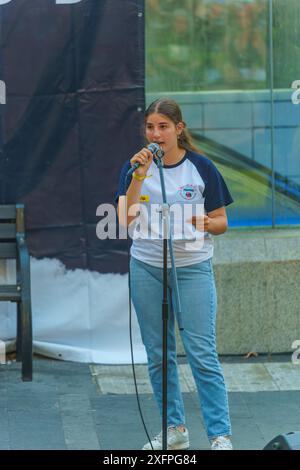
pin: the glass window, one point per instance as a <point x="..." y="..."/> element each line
<point x="206" y="44"/>
<point x="232" y="76"/>
<point x="286" y="65"/>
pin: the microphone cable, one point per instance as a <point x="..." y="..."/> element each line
<point x="130" y="329"/>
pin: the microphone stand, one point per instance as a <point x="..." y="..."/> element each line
<point x="167" y="240"/>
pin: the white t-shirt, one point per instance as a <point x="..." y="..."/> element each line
<point x="193" y="187"/>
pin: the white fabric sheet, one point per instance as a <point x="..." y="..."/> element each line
<point x="77" y="315"/>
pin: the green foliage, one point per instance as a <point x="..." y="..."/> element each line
<point x="194" y="45"/>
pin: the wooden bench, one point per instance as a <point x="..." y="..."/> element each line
<point x="13" y="246"/>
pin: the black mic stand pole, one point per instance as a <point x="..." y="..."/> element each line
<point x="167" y="237"/>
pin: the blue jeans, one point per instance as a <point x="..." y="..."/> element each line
<point x="198" y="302"/>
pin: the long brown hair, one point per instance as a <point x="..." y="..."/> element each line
<point x="171" y="110"/>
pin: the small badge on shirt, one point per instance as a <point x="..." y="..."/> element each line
<point x="145" y="198"/>
<point x="189" y="192"/>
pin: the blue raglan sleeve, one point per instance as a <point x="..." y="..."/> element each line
<point x="123" y="182"/>
<point x="216" y="192"/>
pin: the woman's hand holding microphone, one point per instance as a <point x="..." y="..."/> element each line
<point x="144" y="157"/>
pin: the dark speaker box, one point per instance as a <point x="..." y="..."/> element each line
<point x="288" y="441"/>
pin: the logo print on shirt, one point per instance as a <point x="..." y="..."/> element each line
<point x="189" y="192"/>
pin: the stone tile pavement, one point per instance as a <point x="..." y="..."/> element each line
<point x="79" y="406"/>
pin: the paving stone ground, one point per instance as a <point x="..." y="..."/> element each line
<point x="80" y="406"/>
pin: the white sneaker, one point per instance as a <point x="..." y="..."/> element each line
<point x="221" y="443"/>
<point x="176" y="440"/>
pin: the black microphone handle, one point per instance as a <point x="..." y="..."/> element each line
<point x="154" y="148"/>
<point x="133" y="168"/>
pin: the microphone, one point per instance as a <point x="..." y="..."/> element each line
<point x="156" y="151"/>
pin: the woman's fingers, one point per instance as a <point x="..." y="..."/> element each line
<point x="142" y="157"/>
<point x="200" y="222"/>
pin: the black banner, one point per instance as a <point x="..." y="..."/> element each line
<point x="73" y="73"/>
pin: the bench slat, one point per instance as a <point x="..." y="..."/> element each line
<point x="7" y="212"/>
<point x="8" y="250"/>
<point x="7" y="231"/>
<point x="9" y="292"/>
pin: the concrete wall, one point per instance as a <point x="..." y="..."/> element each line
<point x="241" y="121"/>
<point x="258" y="283"/>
